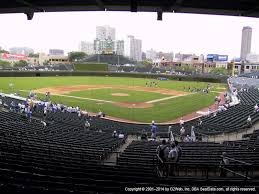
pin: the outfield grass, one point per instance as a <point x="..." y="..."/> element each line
<point x="161" y="111"/>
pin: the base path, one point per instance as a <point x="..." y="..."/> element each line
<point x="166" y="98"/>
<point x="84" y="98"/>
<point x="68" y="89"/>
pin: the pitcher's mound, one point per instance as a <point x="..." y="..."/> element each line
<point x="119" y="94"/>
<point x="134" y="104"/>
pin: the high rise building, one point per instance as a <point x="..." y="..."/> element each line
<point x="105" y="40"/>
<point x="120" y="47"/>
<point x="55" y="52"/>
<point x="133" y="48"/>
<point x="151" y="54"/>
<point x="252" y="58"/>
<point x="246" y="42"/>
<point x="105" y="32"/>
<point x="21" y="51"/>
<point x="86" y="47"/>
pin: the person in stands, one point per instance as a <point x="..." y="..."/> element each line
<point x="44" y="124"/>
<point x="181" y="122"/>
<point x="162" y="152"/>
<point x="173" y="158"/>
<point x="143" y="135"/>
<point x="121" y="135"/>
<point x="179" y="150"/>
<point x="200" y="122"/>
<point x="45" y="112"/>
<point x="99" y="114"/>
<point x="187" y="139"/>
<point x="114" y="135"/>
<point x="173" y="153"/>
<point x="223" y="163"/>
<point x="87" y="125"/>
<point x="169" y="132"/>
<point x="182" y="133"/>
<point x="256" y="108"/>
<point x="249" y="121"/>
<point x="153" y="130"/>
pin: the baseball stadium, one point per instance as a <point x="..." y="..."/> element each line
<point x="119" y="125"/>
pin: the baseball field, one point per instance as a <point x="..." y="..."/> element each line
<point x="135" y="99"/>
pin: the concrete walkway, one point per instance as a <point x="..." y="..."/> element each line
<point x="234" y="136"/>
<point x="113" y="157"/>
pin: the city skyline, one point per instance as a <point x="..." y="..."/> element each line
<point x="185" y="33"/>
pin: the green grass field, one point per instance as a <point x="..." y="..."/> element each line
<point x="160" y="112"/>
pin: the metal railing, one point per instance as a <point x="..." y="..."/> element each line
<point x="207" y="171"/>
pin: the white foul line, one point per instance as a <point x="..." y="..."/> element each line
<point x="166" y="98"/>
<point x="77" y="97"/>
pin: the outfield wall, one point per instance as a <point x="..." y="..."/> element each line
<point x="112" y="74"/>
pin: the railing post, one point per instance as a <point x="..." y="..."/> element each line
<point x="207" y="173"/>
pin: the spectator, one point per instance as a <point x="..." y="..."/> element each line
<point x="163" y="151"/>
<point x="99" y="114"/>
<point x="181" y="122"/>
<point x="179" y="150"/>
<point x="87" y="125"/>
<point x="121" y="135"/>
<point x="223" y="162"/>
<point x="114" y="135"/>
<point x="153" y="130"/>
<point x="187" y="139"/>
<point x="209" y="111"/>
<point x="143" y="135"/>
<point x="200" y="122"/>
<point x="256" y="108"/>
<point x="173" y="153"/>
<point x="12" y="106"/>
<point x="45" y="112"/>
<point x="44" y="124"/>
<point x="182" y="132"/>
<point x="79" y="114"/>
<point x="169" y="132"/>
<point x="29" y="114"/>
<point x="173" y="157"/>
<point x="249" y="121"/>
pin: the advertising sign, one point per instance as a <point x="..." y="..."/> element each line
<point x="7" y="56"/>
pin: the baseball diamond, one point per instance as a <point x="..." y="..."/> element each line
<point x="122" y="98"/>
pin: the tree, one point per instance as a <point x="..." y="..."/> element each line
<point x="46" y="63"/>
<point x="5" y="63"/>
<point x="76" y="56"/>
<point x="219" y="70"/>
<point x="147" y="62"/>
<point x="3" y="51"/>
<point x="186" y="68"/>
<point x="21" y="63"/>
<point x="34" y="55"/>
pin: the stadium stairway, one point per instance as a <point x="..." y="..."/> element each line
<point x="112" y="159"/>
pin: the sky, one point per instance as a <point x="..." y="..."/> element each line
<point x="185" y="33"/>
